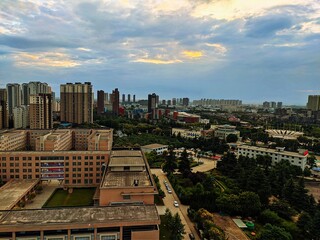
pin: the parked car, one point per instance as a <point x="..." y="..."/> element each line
<point x="191" y="236"/>
<point x="175" y="203"/>
<point x="169" y="190"/>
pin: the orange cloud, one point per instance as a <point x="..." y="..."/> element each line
<point x="45" y="59"/>
<point x="192" y="54"/>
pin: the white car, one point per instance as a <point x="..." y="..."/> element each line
<point x="175" y="203"/>
<point x="169" y="190"/>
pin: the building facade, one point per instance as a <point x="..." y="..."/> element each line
<point x="313" y="102"/>
<point x="277" y="155"/>
<point x="21" y="117"/>
<point x="100" y="102"/>
<point x="4" y="117"/>
<point x="76" y="103"/>
<point x="41" y="111"/>
<point x="14" y="96"/>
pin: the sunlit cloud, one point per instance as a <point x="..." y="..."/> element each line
<point x="288" y="45"/>
<point x="218" y="47"/>
<point x="157" y="61"/>
<point x="84" y="49"/>
<point x="192" y="54"/>
<point x="237" y="9"/>
<point x="44" y="59"/>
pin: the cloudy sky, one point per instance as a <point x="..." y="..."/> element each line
<point x="254" y="50"/>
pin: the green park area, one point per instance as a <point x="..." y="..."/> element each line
<point x="78" y="197"/>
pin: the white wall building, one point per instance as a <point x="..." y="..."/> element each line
<point x="159" y="148"/>
<point x="277" y="155"/>
<point x="185" y="133"/>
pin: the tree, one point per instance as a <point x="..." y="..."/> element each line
<point x="170" y="162"/>
<point x="232" y="138"/>
<point x="184" y="164"/>
<point x="176" y="228"/>
<point x="315" y="229"/>
<point x="250" y="204"/>
<point x="270" y="232"/>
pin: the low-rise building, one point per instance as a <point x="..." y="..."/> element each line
<point x="277" y="155"/>
<point x="222" y="131"/>
<point x="186" y="133"/>
<point x="158" y="148"/>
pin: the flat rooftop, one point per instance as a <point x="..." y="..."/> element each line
<point x="14" y="190"/>
<point x="83" y="215"/>
<point x="270" y="150"/>
<point x="153" y="146"/>
<point x="126" y="153"/>
<point x="126" y="179"/>
<point x="126" y="161"/>
<point x="124" y="158"/>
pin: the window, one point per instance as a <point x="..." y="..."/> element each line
<point x="126" y="197"/>
<point x="126" y="168"/>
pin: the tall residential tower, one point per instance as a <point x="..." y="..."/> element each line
<point x="76" y="103"/>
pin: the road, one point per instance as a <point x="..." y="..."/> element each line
<point x="168" y="202"/>
<point x="207" y="165"/>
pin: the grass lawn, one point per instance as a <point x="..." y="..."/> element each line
<point x="164" y="233"/>
<point x="79" y="197"/>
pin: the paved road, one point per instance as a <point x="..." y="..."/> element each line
<point x="206" y="166"/>
<point x="168" y="202"/>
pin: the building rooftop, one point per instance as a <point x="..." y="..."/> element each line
<point x="153" y="146"/>
<point x="126" y="179"/>
<point x="271" y="150"/>
<point x="12" y="192"/>
<point x="126" y="161"/>
<point x="83" y="215"/>
<point x="126" y="153"/>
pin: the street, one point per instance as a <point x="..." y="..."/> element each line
<point x="207" y="165"/>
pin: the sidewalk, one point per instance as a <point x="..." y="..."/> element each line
<point x="40" y="199"/>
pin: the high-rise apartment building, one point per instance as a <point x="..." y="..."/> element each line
<point x="153" y="101"/>
<point x="21" y="116"/>
<point x="129" y="98"/>
<point x="123" y="98"/>
<point x="33" y="88"/>
<point x="14" y="96"/>
<point x="100" y="102"/>
<point x="313" y="102"/>
<point x="134" y="98"/>
<point x="4" y="117"/>
<point x="40" y="111"/>
<point x="115" y="102"/>
<point x="185" y="101"/>
<point x="76" y="103"/>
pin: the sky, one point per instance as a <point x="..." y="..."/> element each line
<point x="253" y="50"/>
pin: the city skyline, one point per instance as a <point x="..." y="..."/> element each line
<point x="254" y="51"/>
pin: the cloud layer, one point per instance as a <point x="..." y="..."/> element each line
<point x="250" y="50"/>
